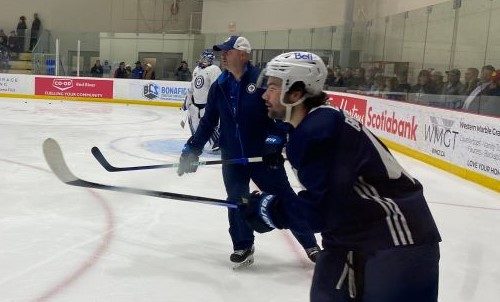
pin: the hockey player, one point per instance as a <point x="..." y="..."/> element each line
<point x="244" y="125"/>
<point x="204" y="75"/>
<point x="380" y="240"/>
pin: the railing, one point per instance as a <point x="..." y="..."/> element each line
<point x="44" y="56"/>
<point x="45" y="63"/>
<point x="43" y="45"/>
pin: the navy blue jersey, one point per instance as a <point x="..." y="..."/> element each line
<point x="356" y="194"/>
<point x="244" y="124"/>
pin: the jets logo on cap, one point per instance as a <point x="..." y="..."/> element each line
<point x="251" y="88"/>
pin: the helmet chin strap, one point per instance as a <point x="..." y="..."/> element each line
<point x="289" y="108"/>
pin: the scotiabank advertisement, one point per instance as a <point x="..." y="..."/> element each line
<point x="74" y="87"/>
<point x="394" y="121"/>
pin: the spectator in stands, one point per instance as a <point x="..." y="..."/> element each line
<point x="391" y="89"/>
<point x="106" y="68"/>
<point x="334" y="78"/>
<point x="3" y="39"/>
<point x="358" y="79"/>
<point x="21" y="33"/>
<point x="97" y="71"/>
<point x="424" y="84"/>
<point x="348" y="77"/>
<point x="138" y="71"/>
<point x="369" y="78"/>
<point x="128" y="71"/>
<point x="471" y="80"/>
<point x="487" y="74"/>
<point x="403" y="86"/>
<point x="183" y="73"/>
<point x="4" y="58"/>
<point x="330" y="78"/>
<point x="472" y="101"/>
<point x="149" y="73"/>
<point x="13" y="43"/>
<point x="453" y="86"/>
<point x="339" y="79"/>
<point x="378" y="85"/>
<point x="120" y="72"/>
<point x="493" y="88"/>
<point x="35" y="30"/>
<point x="437" y="79"/>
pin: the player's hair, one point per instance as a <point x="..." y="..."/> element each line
<point x="312" y="101"/>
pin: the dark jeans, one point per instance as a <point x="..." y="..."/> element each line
<point x="409" y="274"/>
<point x="237" y="182"/>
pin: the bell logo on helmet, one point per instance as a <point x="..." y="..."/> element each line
<point x="303" y="56"/>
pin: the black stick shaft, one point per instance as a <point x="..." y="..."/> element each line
<point x="110" y="168"/>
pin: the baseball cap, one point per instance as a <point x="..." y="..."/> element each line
<point x="234" y="42"/>
<point x="489" y="67"/>
<point x="454" y="72"/>
<point x="437" y="73"/>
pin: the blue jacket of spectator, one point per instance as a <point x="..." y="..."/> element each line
<point x="137" y="72"/>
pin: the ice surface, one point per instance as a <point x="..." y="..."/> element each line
<point x="64" y="243"/>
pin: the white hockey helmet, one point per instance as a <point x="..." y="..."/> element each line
<point x="299" y="66"/>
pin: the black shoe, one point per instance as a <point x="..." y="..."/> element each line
<point x="242" y="257"/>
<point x="312" y="253"/>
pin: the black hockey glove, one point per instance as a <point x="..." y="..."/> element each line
<point x="188" y="163"/>
<point x="260" y="211"/>
<point x="273" y="148"/>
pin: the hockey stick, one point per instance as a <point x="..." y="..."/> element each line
<point x="55" y="160"/>
<point x="110" y="168"/>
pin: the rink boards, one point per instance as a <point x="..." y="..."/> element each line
<point x="464" y="144"/>
<point x="125" y="91"/>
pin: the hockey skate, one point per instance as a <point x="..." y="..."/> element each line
<point x="242" y="258"/>
<point x="312" y="253"/>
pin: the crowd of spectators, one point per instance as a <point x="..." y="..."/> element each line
<point x="477" y="91"/>
<point x="16" y="42"/>
<point x="123" y="71"/>
<point x="140" y="71"/>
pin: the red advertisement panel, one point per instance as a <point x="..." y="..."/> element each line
<point x="354" y="106"/>
<point x="73" y="87"/>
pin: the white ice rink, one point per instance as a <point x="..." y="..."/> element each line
<point x="64" y="243"/>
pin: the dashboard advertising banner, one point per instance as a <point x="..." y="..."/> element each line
<point x="467" y="140"/>
<point x="74" y="87"/>
<point x="16" y="84"/>
<point x="151" y="90"/>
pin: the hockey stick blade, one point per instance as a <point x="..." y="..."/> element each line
<point x="110" y="168"/>
<point x="55" y="160"/>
